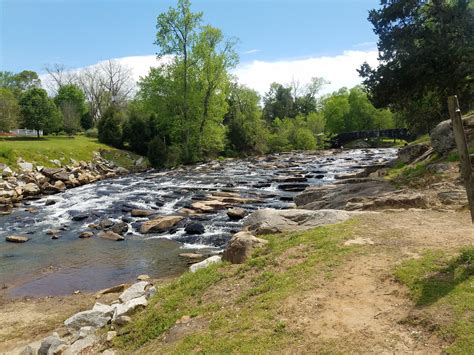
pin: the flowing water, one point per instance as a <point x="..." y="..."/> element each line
<point x="43" y="266"/>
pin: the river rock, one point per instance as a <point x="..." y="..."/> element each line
<point x="80" y="217"/>
<point x="129" y="306"/>
<point x="143" y="277"/>
<point x="194" y="228"/>
<point x="403" y="199"/>
<point x="31" y="189"/>
<point x="17" y="239"/>
<point x="105" y="309"/>
<point x="111" y="236"/>
<point x="59" y="186"/>
<point x="105" y="223"/>
<point x="293" y="187"/>
<point x="205" y="263"/>
<point x="122" y="320"/>
<point x="160" y="224"/>
<point x="141" y="213"/>
<point x="120" y="228"/>
<point x="192" y="256"/>
<point x="240" y="247"/>
<point x="92" y="318"/>
<point x="49" y="202"/>
<point x="270" y="221"/>
<point x="236" y="213"/>
<point x="86" y="235"/>
<point x="138" y="289"/>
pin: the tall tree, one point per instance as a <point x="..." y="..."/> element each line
<point x="37" y="109"/>
<point x="426" y="53"/>
<point x="278" y="102"/>
<point x="9" y="110"/>
<point x="72" y="103"/>
<point x="177" y="35"/>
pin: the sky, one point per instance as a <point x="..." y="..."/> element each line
<point x="278" y="40"/>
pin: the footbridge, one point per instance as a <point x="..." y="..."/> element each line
<point x="396" y="133"/>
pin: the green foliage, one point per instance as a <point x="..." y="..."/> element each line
<point x="71" y="100"/>
<point x="110" y="127"/>
<point x="92" y="133"/>
<point x="38" y="111"/>
<point x="157" y="152"/>
<point x="9" y="110"/>
<point x="246" y="130"/>
<point x="351" y="110"/>
<point x="426" y="54"/>
<point x="442" y="285"/>
<point x="19" y="82"/>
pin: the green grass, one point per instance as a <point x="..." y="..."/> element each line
<point x="42" y="151"/>
<point x="444" y="285"/>
<point x="250" y="321"/>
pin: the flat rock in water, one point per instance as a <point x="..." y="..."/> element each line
<point x="80" y="217"/>
<point x="236" y="213"/>
<point x="141" y="213"/>
<point x="160" y="224"/>
<point x="17" y="239"/>
<point x="193" y="256"/>
<point x="110" y="236"/>
<point x="293" y="187"/>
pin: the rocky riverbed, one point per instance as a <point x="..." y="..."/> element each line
<point x="110" y="231"/>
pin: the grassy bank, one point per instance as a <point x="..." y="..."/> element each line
<point x="442" y="286"/>
<point x="240" y="305"/>
<point x="42" y="151"/>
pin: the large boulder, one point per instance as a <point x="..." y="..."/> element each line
<point x="236" y="213"/>
<point x="31" y="189"/>
<point x="411" y="152"/>
<point x="442" y="136"/>
<point x="270" y="221"/>
<point x="160" y="224"/>
<point x="240" y="247"/>
<point x="17" y="239"/>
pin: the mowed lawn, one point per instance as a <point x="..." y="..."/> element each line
<point x="42" y="151"/>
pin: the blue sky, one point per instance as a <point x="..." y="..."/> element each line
<point x="79" y="33"/>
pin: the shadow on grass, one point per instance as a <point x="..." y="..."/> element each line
<point x="444" y="280"/>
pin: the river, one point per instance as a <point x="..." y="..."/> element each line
<point x="44" y="266"/>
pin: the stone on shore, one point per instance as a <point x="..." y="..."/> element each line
<point x="240" y="247"/>
<point x="129" y="307"/>
<point x="160" y="224"/>
<point x="136" y="290"/>
<point x="270" y="221"/>
<point x="91" y="318"/>
<point x="205" y="263"/>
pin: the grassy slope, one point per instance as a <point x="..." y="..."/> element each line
<point x="41" y="151"/>
<point x="247" y="320"/>
<point x="443" y="285"/>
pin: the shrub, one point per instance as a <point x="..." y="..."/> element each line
<point x="92" y="133"/>
<point x="157" y="152"/>
<point x="110" y="128"/>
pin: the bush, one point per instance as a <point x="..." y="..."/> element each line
<point x="92" y="133"/>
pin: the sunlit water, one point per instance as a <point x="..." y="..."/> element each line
<point x="43" y="266"/>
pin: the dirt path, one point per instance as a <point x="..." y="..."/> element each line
<point x="363" y="309"/>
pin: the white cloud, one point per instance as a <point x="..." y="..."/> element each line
<point x="339" y="70"/>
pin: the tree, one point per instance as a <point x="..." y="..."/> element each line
<point x="59" y="76"/>
<point x="177" y="35"/>
<point x="426" y="53"/>
<point x="110" y="127"/>
<point x="9" y="110"/>
<point x="26" y="80"/>
<point x="278" y="102"/>
<point x="37" y="109"/>
<point x="72" y="103"/>
<point x="246" y="130"/>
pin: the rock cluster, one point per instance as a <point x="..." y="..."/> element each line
<point x="442" y="136"/>
<point x="32" y="181"/>
<point x="83" y="326"/>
